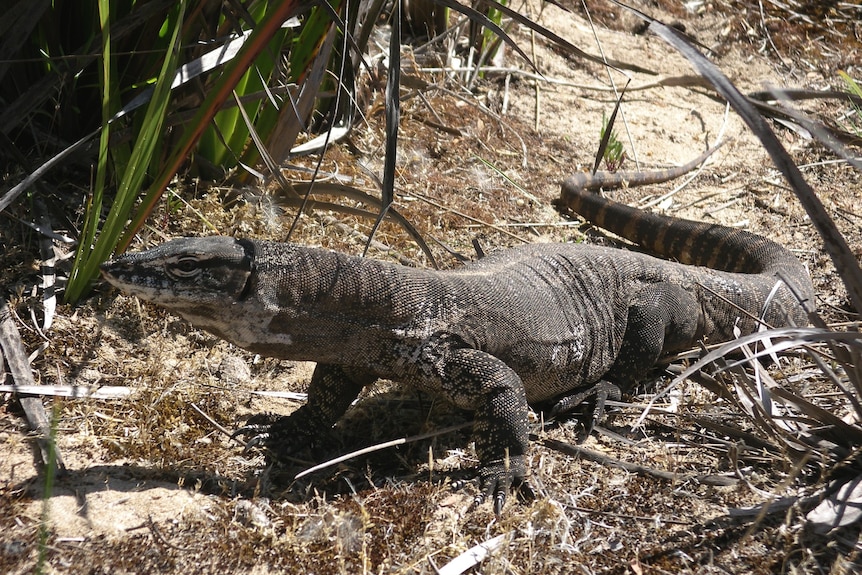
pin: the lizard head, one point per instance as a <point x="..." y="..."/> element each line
<point x="186" y="272"/>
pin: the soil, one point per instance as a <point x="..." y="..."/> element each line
<point x="151" y="486"/>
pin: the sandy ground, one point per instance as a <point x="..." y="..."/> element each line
<point x="151" y="486"/>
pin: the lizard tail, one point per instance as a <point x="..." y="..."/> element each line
<point x="689" y="242"/>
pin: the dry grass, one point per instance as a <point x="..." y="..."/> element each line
<point x="709" y="483"/>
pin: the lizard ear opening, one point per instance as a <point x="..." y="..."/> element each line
<point x="247" y="264"/>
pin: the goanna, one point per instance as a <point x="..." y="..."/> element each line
<point x="552" y="324"/>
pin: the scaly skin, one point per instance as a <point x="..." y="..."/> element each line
<point x="589" y="182"/>
<point x="541" y="323"/>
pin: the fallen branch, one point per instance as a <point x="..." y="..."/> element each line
<point x="12" y="351"/>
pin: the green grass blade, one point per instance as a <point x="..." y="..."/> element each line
<point x="219" y="93"/>
<point x="132" y="179"/>
<point x="94" y="204"/>
<point x="225" y="140"/>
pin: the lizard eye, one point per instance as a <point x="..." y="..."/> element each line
<point x="185" y="267"/>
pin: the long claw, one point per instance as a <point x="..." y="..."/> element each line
<point x="497" y="479"/>
<point x="479" y="500"/>
<point x="255" y="429"/>
<point x="497" y="486"/>
<point x="259" y="439"/>
<point x="493" y="486"/>
<point x="499" y="498"/>
<point x="497" y="489"/>
<point x="259" y="436"/>
<point x="499" y="501"/>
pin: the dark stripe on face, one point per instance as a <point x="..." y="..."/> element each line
<point x="247" y="264"/>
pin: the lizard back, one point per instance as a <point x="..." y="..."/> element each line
<point x="697" y="243"/>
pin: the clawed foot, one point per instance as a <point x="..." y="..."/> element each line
<point x="281" y="436"/>
<point x="496" y="480"/>
<point x="284" y="437"/>
<point x="599" y="393"/>
<point x="258" y="436"/>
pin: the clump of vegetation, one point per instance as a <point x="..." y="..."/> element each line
<point x="614" y="155"/>
<point x="854" y="119"/>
